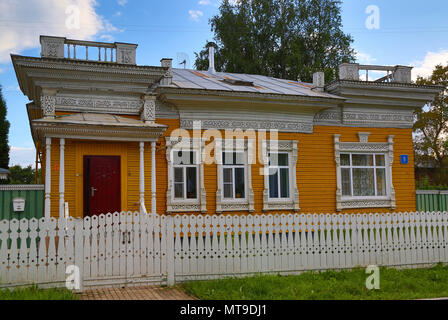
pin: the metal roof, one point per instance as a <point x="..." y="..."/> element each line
<point x="4" y="170"/>
<point x="100" y="119"/>
<point x="192" y="79"/>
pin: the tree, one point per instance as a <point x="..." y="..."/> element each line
<point x="4" y="131"/>
<point x="25" y="175"/>
<point x="431" y="126"/>
<point x="288" y="39"/>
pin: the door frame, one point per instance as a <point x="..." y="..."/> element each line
<point x="103" y="148"/>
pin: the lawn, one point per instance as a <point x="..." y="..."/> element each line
<point x="33" y="293"/>
<point x="329" y="285"/>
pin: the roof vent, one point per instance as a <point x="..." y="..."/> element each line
<point x="236" y="82"/>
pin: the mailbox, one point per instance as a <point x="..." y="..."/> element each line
<point x="18" y="204"/>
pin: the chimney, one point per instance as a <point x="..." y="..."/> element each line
<point x="318" y="81"/>
<point x="168" y="77"/>
<point x="211" y="59"/>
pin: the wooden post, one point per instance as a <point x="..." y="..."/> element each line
<point x="153" y="177"/>
<point x="37" y="163"/>
<point x="142" y="174"/>
<point x="61" y="177"/>
<point x="48" y="178"/>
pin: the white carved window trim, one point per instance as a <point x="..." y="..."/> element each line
<point x="283" y="146"/>
<point x="223" y="204"/>
<point x="186" y="205"/>
<point x="365" y="147"/>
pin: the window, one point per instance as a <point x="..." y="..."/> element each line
<point x="280" y="181"/>
<point x="185" y="175"/>
<point x="363" y="175"/>
<point x="233" y="175"/>
<point x="186" y="187"/>
<point x="278" y="175"/>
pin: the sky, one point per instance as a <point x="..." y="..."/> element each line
<point x="385" y="32"/>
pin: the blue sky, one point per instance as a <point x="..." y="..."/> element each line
<point x="410" y="33"/>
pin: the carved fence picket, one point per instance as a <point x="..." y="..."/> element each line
<point x="94" y="254"/>
<point x="61" y="258"/>
<point x="32" y="257"/>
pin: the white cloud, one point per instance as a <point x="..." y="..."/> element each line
<point x="22" y="156"/>
<point x="107" y="38"/>
<point x="195" y="14"/>
<point x="12" y="88"/>
<point x="122" y="2"/>
<point x="364" y="58"/>
<point x="204" y="2"/>
<point x="424" y="68"/>
<point x="24" y="21"/>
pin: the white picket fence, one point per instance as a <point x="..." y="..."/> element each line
<point x="134" y="248"/>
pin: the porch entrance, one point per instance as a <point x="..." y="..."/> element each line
<point x="102" y="185"/>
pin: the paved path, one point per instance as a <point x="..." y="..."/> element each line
<point x="136" y="293"/>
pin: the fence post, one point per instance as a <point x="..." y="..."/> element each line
<point x="79" y="251"/>
<point x="170" y="249"/>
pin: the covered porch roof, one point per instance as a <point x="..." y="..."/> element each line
<point x="95" y="126"/>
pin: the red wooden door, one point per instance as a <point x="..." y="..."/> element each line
<point x="102" y="185"/>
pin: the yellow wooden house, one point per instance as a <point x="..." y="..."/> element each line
<point x="112" y="135"/>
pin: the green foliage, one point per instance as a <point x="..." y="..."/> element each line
<point x="19" y="175"/>
<point x="425" y="184"/>
<point x="4" y="131"/>
<point x="431" y="127"/>
<point x="33" y="293"/>
<point x="328" y="285"/>
<point x="286" y="39"/>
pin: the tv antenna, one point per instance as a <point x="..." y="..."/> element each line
<point x="183" y="60"/>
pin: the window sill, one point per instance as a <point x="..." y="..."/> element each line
<point x="234" y="205"/>
<point x="366" y="203"/>
<point x="280" y="205"/>
<point x="184" y="206"/>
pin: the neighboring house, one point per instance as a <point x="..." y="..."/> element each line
<point x="107" y="133"/>
<point x="4" y="174"/>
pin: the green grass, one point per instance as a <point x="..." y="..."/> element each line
<point x="329" y="285"/>
<point x="33" y="293"/>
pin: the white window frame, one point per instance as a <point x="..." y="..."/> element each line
<point x="374" y="167"/>
<point x="278" y="167"/>
<point x="233" y="167"/>
<point x="291" y="148"/>
<point x="173" y="204"/>
<point x="365" y="147"/>
<point x="184" y="173"/>
<point x="225" y="204"/>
